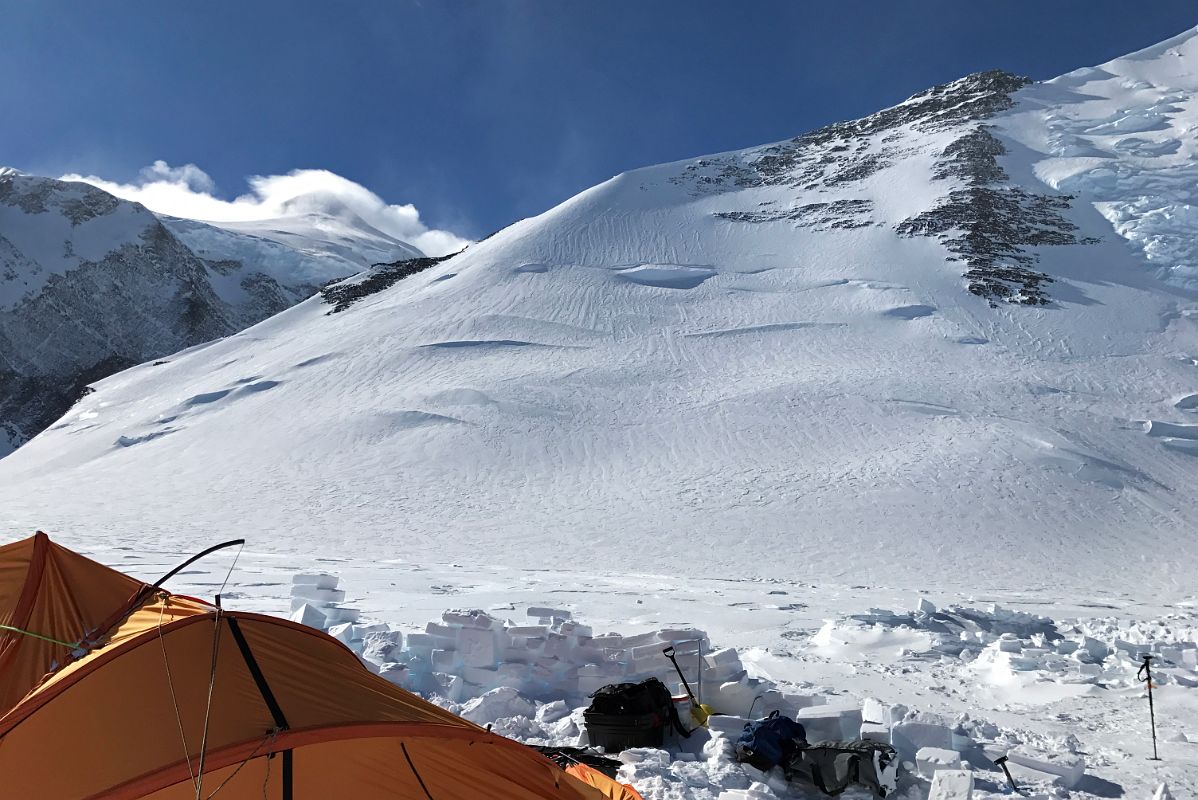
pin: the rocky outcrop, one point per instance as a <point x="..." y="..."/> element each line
<point x="990" y="224"/>
<point x="343" y="294"/>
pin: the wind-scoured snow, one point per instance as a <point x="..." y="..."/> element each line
<point x="913" y="349"/>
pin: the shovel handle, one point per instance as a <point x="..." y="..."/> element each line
<point x="668" y="652"/>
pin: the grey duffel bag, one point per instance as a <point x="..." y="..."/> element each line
<point x="834" y="766"/>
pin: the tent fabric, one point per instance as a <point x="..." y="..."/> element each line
<point x="611" y="789"/>
<point x="127" y="720"/>
<point x="49" y="590"/>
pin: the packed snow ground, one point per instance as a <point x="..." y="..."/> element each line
<point x="1058" y="691"/>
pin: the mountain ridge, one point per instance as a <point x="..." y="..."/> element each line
<point x="90" y="284"/>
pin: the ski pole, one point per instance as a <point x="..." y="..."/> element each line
<point x="1145" y="675"/>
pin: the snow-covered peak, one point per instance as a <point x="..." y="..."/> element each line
<point x="318" y="238"/>
<point x="327" y="231"/>
<point x="1170" y="62"/>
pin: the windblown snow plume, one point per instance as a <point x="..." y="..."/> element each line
<point x="189" y="192"/>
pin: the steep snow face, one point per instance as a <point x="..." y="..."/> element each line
<point x="90" y="284"/>
<point x="893" y="351"/>
<point x="1123" y="136"/>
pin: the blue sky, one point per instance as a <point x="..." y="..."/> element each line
<point x="479" y="113"/>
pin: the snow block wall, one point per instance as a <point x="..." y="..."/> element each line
<point x="531" y="679"/>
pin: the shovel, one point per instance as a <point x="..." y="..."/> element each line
<point x="699" y="710"/>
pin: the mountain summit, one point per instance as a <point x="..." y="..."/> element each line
<point x="952" y="342"/>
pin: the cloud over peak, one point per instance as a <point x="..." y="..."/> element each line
<point x="187" y="191"/>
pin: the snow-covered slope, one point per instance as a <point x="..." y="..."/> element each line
<point x="90" y="284"/>
<point x="949" y="344"/>
<point x="319" y="240"/>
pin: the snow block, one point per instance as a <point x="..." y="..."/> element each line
<point x="539" y="612"/>
<point x="536" y="631"/>
<point x="470" y="619"/>
<point x="653" y="650"/>
<point x="873" y="732"/>
<point x="316" y="594"/>
<point x="421" y="640"/>
<point x="443" y="660"/>
<point x="830" y="722"/>
<point x="929" y="760"/>
<point x="735" y="697"/>
<point x="450" y="687"/>
<point x="574" y="629"/>
<point x="319" y="580"/>
<point x="1094" y="650"/>
<point x="298" y="602"/>
<point x="381" y="647"/>
<point x="552" y="712"/>
<point x="727" y="724"/>
<point x="309" y="615"/>
<point x="773" y="700"/>
<point x="727" y="656"/>
<point x="641" y="639"/>
<point x="1009" y="643"/>
<point x="498" y="703"/>
<point x="337" y="614"/>
<point x="798" y="701"/>
<point x="343" y="633"/>
<point x="874" y="711"/>
<point x="441" y="631"/>
<point x="1068" y="768"/>
<point x="477" y="647"/>
<point x="909" y="738"/>
<point x="952" y="784"/>
<point x="396" y="673"/>
<point x="486" y="677"/>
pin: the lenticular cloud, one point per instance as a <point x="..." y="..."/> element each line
<point x="189" y="192"/>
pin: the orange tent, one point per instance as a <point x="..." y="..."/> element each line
<point x="51" y="600"/>
<point x="253" y="706"/>
<point x="613" y="790"/>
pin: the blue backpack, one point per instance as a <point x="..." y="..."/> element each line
<point x="769" y="742"/>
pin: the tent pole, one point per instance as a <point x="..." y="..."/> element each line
<point x="268" y="697"/>
<point x="158" y="583"/>
<point x="288" y="778"/>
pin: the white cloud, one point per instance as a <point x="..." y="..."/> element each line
<point x="188" y="191"/>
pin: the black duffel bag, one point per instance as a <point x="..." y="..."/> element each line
<point x="624" y="715"/>
<point x="834" y="766"/>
